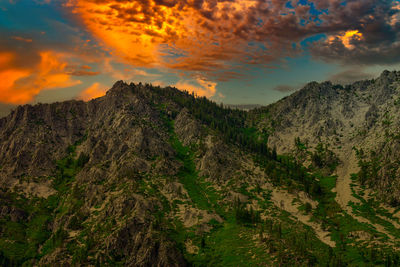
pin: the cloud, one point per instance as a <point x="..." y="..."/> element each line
<point x="195" y="36"/>
<point x="212" y="37"/>
<point x="204" y="42"/>
<point x="48" y="53"/>
<point x="360" y="33"/>
<point x="83" y="73"/>
<point x="94" y="91"/>
<point x="347" y="38"/>
<point x="123" y="72"/>
<point x="200" y="87"/>
<point x="20" y="84"/>
<point x="82" y="70"/>
<point x="349" y="76"/>
<point x="56" y="60"/>
<point x="22" y="39"/>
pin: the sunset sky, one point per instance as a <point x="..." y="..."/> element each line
<point x="234" y="51"/>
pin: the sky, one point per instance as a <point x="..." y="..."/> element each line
<point x="231" y="51"/>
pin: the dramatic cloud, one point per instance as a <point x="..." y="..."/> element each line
<point x="126" y="74"/>
<point x="203" y="88"/>
<point x="211" y="36"/>
<point x="28" y="67"/>
<point x="197" y="36"/>
<point x="201" y="43"/>
<point x="360" y="32"/>
<point x="21" y="84"/>
<point x="347" y="39"/>
<point x="94" y="91"/>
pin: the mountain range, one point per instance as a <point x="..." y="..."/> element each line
<point x="151" y="176"/>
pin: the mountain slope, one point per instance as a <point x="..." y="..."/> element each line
<point x="363" y="115"/>
<point x="359" y="124"/>
<point x="150" y="176"/>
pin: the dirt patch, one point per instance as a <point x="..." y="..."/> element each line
<point x="284" y="200"/>
<point x="42" y="189"/>
<point x="343" y="190"/>
<point x="190" y="247"/>
<point x="360" y="235"/>
<point x="191" y="216"/>
<point x="234" y="196"/>
<point x="174" y="191"/>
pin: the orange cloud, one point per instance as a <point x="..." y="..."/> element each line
<point x="188" y="35"/>
<point x="395" y="18"/>
<point x="21" y="85"/>
<point x="8" y="77"/>
<point x="94" y="91"/>
<point x="5" y="59"/>
<point x="346" y="38"/>
<point x="204" y="88"/>
<point x="126" y="74"/>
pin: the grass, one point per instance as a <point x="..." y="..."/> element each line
<point x="231" y="244"/>
<point x="200" y="191"/>
<point x="328" y="183"/>
<point x="370" y="209"/>
<point x="21" y="239"/>
<point x="341" y="225"/>
<point x="188" y="175"/>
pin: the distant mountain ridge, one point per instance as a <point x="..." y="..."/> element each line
<point x="243" y="106"/>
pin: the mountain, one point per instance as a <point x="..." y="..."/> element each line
<point x="245" y="107"/>
<point x="359" y="122"/>
<point x="151" y="176"/>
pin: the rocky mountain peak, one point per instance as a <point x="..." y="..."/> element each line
<point x="387" y="77"/>
<point x="386" y="74"/>
<point x="363" y="114"/>
<point x="119" y="88"/>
